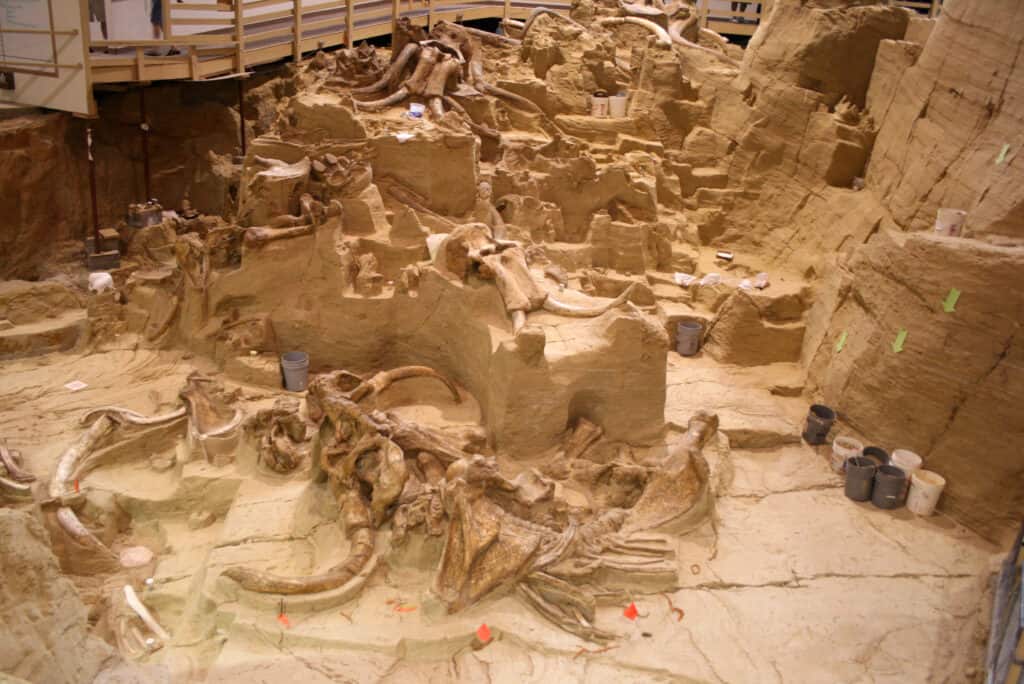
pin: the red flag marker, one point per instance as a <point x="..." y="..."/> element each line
<point x="631" y="612"/>
<point x="282" y="618"/>
<point x="483" y="633"/>
<point x="76" y="487"/>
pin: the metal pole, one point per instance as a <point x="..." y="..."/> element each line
<point x="241" y="112"/>
<point x="92" y="191"/>
<point x="144" y="131"/>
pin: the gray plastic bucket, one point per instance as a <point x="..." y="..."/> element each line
<point x="819" y="422"/>
<point x="890" y="483"/>
<point x="860" y="478"/>
<point x="877" y="454"/>
<point x="688" y="334"/>
<point x="295" y="366"/>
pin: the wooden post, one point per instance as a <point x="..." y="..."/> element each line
<point x="144" y="132"/>
<point x="430" y="15"/>
<point x="703" y="12"/>
<point x="92" y="191"/>
<point x="933" y="11"/>
<point x="507" y="11"/>
<point x="241" y="113"/>
<point x="297" y="48"/>
<point x="394" y="18"/>
<point x="350" y="24"/>
<point x="239" y="37"/>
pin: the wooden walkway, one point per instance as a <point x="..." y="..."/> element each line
<point x="234" y="38"/>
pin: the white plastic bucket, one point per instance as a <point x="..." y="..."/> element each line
<point x="599" y="105"/>
<point x="925" y="489"/>
<point x="295" y="366"/>
<point x="950" y="222"/>
<point x="842" y="449"/>
<point x="906" y="460"/>
<point x="617" y="105"/>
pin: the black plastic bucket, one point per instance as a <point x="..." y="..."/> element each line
<point x="890" y="487"/>
<point x="877" y="454"/>
<point x="860" y="478"/>
<point x="819" y="422"/>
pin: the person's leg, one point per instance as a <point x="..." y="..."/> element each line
<point x="156" y="18"/>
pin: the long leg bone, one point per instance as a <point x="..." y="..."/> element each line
<point x="132" y="599"/>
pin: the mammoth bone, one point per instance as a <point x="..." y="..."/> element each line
<point x="449" y="62"/>
<point x="207" y="414"/>
<point x="499" y="535"/>
<point x="471" y="248"/>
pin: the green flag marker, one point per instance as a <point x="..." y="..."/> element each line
<point x="1002" y="153"/>
<point x="949" y="303"/>
<point x="901" y="337"/>
<point x="841" y="343"/>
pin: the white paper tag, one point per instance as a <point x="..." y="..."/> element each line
<point x="75" y="385"/>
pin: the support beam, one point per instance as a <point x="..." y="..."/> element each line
<point x="241" y="112"/>
<point x="144" y="132"/>
<point x="92" y="189"/>
<point x="350" y="24"/>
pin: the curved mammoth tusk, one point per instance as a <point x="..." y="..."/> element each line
<point x="70" y="523"/>
<point x="73" y="456"/>
<point x="407" y="53"/>
<point x="714" y="35"/>
<point x="510" y="96"/>
<point x="16" y="490"/>
<point x="675" y="31"/>
<point x="493" y="39"/>
<point x="392" y="99"/>
<point x="660" y="33"/>
<point x="544" y="10"/>
<point x="381" y="381"/>
<point x="269" y="583"/>
<point x="139" y="608"/>
<point x="640" y="10"/>
<point x="562" y="309"/>
<point x="124" y="416"/>
<point x="14" y="471"/>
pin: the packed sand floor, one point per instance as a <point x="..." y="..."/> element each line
<point x="787" y="581"/>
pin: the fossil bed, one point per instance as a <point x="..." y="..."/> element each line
<point x="542" y="458"/>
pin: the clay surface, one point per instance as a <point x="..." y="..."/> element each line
<point x="396" y="394"/>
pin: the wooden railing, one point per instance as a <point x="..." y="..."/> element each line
<point x="217" y="39"/>
<point x="745" y="21"/>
